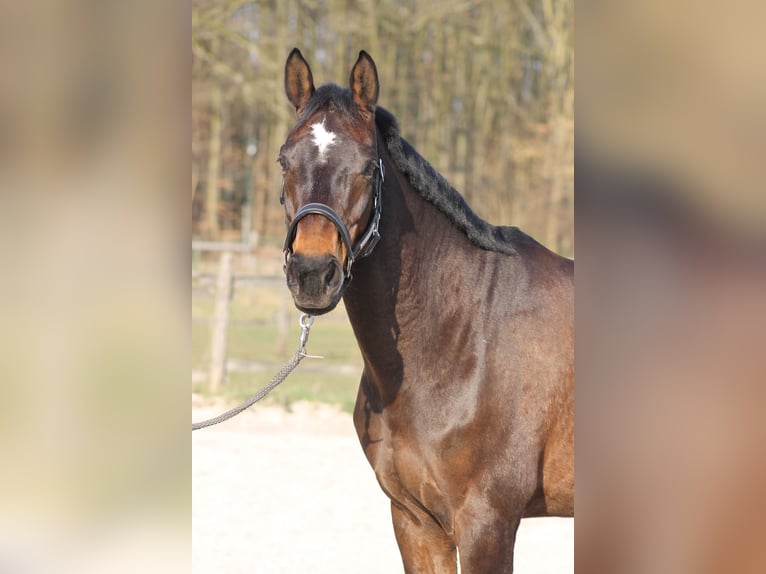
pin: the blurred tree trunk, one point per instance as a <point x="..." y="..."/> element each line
<point x="212" y="190"/>
<point x="560" y="97"/>
<point x="194" y="178"/>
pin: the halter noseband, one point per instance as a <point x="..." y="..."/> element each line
<point x="367" y="241"/>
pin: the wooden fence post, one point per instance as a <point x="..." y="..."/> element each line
<point x="220" y="322"/>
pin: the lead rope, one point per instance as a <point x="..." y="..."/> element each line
<point x="300" y="353"/>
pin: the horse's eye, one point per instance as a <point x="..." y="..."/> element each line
<point x="282" y="163"/>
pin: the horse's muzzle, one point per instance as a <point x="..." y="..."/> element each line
<point x="315" y="281"/>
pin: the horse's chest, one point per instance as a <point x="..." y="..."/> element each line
<point x="410" y="471"/>
<point x="425" y="448"/>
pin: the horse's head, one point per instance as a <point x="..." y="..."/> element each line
<point x="332" y="178"/>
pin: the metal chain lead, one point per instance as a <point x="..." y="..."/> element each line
<point x="300" y="353"/>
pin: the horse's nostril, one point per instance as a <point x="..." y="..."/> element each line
<point x="332" y="270"/>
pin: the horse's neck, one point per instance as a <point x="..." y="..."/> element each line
<point x="388" y="300"/>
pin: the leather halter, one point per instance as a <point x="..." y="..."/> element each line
<point x="366" y="242"/>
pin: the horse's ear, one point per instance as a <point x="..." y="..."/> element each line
<point x="299" y="83"/>
<point x="363" y="82"/>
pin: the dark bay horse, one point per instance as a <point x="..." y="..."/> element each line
<point x="465" y="406"/>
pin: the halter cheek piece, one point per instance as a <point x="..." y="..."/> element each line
<point x="367" y="241"/>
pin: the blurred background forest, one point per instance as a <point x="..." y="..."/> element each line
<point x="482" y="89"/>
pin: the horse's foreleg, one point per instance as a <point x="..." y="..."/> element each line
<point x="425" y="547"/>
<point x="486" y="545"/>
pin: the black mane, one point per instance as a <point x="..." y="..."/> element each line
<point x="429" y="183"/>
<point x="432" y="186"/>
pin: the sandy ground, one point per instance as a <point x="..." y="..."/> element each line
<point x="277" y="492"/>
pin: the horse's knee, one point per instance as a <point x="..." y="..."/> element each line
<point x="423" y="544"/>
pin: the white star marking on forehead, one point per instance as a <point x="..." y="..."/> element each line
<point x="322" y="138"/>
